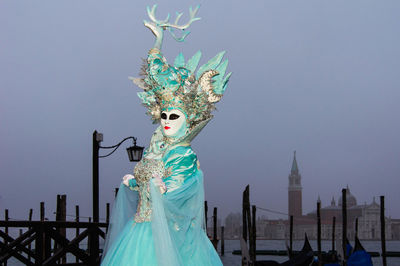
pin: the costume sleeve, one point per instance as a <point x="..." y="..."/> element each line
<point x="178" y="215"/>
<point x="124" y="208"/>
<point x="180" y="165"/>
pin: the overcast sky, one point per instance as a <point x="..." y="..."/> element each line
<point x="318" y="77"/>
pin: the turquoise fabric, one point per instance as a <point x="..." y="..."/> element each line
<point x="175" y="236"/>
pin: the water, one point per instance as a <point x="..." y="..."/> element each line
<point x="234" y="260"/>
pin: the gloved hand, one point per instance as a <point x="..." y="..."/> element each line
<point x="126" y="179"/>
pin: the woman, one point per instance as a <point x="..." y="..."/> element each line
<point x="158" y="216"/>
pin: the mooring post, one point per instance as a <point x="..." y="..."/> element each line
<point x="344" y="224"/>
<point x="61" y="216"/>
<point x="254" y="233"/>
<point x="319" y="231"/>
<point x="77" y="228"/>
<point x="215" y="237"/>
<point x="96" y="139"/>
<point x="244" y="216"/>
<point x="333" y="232"/>
<point x="222" y="241"/>
<point x="249" y="219"/>
<point x="291" y="236"/>
<point x="107" y="213"/>
<point x="42" y="214"/>
<point x="383" y="236"/>
<point x="30" y="220"/>
<point x="206" y="215"/>
<point x="6" y="218"/>
<point x="58" y="214"/>
<point x="40" y="246"/>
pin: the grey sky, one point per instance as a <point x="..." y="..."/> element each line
<point x="319" y="77"/>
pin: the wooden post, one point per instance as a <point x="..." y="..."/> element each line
<point x="107" y="215"/>
<point x="40" y="245"/>
<point x="254" y="234"/>
<point x="383" y="236"/>
<point x="96" y="139"/>
<point x="42" y="211"/>
<point x="58" y="211"/>
<point x="344" y="224"/>
<point x="39" y="239"/>
<point x="95" y="175"/>
<point x="30" y="219"/>
<point x="206" y="215"/>
<point x="244" y="215"/>
<point x="248" y="214"/>
<point x="77" y="229"/>
<point x="222" y="241"/>
<point x="6" y="218"/>
<point x="291" y="236"/>
<point x="319" y="231"/>
<point x="215" y="238"/>
<point x="63" y="218"/>
<point x="333" y="232"/>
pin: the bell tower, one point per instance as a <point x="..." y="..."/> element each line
<point x="294" y="190"/>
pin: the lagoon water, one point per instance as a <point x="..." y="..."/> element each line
<point x="234" y="260"/>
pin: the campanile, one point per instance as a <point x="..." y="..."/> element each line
<point x="294" y="190"/>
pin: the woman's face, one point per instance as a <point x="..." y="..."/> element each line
<point x="173" y="123"/>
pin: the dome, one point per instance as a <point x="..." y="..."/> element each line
<point x="351" y="200"/>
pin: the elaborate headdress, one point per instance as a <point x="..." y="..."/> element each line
<point x="179" y="87"/>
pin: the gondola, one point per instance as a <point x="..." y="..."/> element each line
<point x="359" y="257"/>
<point x="304" y="258"/>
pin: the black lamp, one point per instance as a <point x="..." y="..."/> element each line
<point x="135" y="152"/>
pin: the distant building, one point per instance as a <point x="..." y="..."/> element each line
<point x="368" y="216"/>
<point x="294" y="191"/>
<point x="233" y="225"/>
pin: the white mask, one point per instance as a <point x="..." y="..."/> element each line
<point x="173" y="123"/>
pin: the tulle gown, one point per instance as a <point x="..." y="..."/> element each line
<point x="150" y="228"/>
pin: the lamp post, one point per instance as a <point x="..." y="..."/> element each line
<point x="134" y="153"/>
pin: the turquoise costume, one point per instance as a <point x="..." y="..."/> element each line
<point x="150" y="226"/>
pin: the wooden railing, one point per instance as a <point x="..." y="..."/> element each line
<point x="42" y="234"/>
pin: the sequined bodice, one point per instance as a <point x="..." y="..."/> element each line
<point x="143" y="172"/>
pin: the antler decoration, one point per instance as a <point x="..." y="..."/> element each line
<point x="165" y="24"/>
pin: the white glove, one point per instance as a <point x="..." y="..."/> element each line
<point x="126" y="179"/>
<point x="157" y="180"/>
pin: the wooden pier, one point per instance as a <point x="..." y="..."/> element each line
<point x="46" y="242"/>
<point x="41" y="233"/>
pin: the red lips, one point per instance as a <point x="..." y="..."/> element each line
<point x="166" y="127"/>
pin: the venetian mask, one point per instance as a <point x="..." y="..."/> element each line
<point x="173" y="123"/>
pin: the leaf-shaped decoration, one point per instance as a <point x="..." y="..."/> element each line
<point x="179" y="61"/>
<point x="211" y="64"/>
<point x="191" y="65"/>
<point x="225" y="82"/>
<point x="218" y="85"/>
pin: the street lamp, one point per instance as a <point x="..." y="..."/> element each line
<point x="134" y="153"/>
